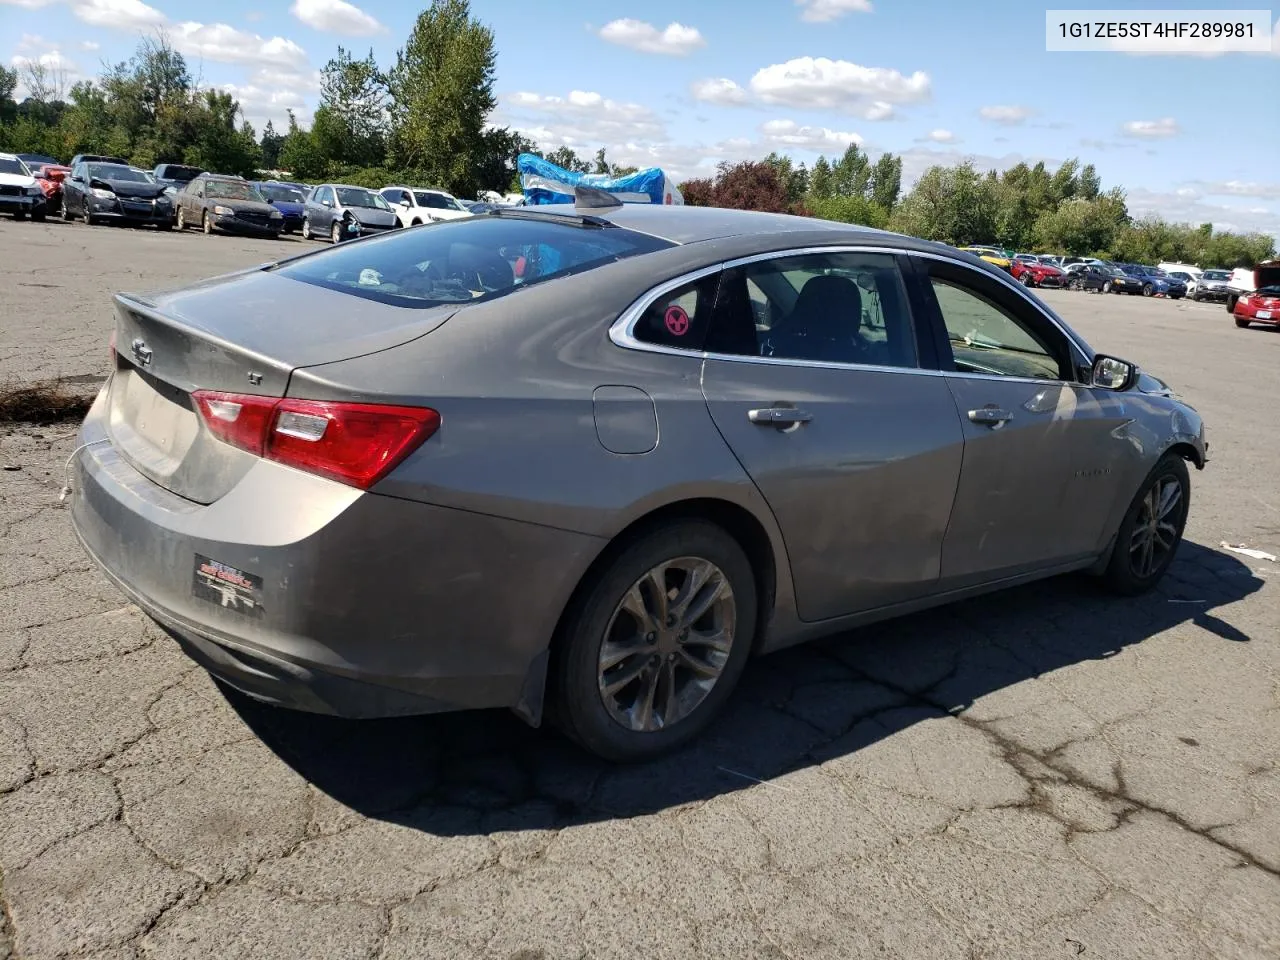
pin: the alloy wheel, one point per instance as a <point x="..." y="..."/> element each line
<point x="336" y="233"/>
<point x="667" y="644"/>
<point x="182" y="219"/>
<point x="1156" y="532"/>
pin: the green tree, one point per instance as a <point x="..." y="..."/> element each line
<point x="795" y="180"/>
<point x="602" y="163"/>
<point x="497" y="167"/>
<point x="269" y="146"/>
<point x="1090" y="186"/>
<point x="852" y="173"/>
<point x="441" y="91"/>
<point x="859" y="210"/>
<point x="886" y="181"/>
<point x="956" y="204"/>
<point x="1083" y="227"/>
<point x="566" y="158"/>
<point x="820" y="179"/>
<point x="220" y="145"/>
<point x="350" y="125"/>
<point x="298" y="153"/>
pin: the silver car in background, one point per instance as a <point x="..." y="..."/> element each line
<point x="590" y="459"/>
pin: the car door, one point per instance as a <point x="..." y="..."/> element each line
<point x="814" y="379"/>
<point x="193" y="202"/>
<point x="1041" y="451"/>
<point x="73" y="189"/>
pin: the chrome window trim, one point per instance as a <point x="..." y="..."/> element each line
<point x="622" y="331"/>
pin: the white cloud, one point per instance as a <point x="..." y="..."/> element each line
<point x="1152" y="129"/>
<point x="1237" y="188"/>
<point x="821" y="11"/>
<point x="28" y="4"/>
<point x="253" y="16"/>
<point x="939" y="136"/>
<point x="336" y="16"/>
<point x="587" y="116"/>
<point x="121" y="14"/>
<point x="89" y="45"/>
<point x="1008" y="116"/>
<point x="822" y="84"/>
<point x="1180" y="207"/>
<point x="675" y="40"/>
<point x="719" y="90"/>
<point x="791" y="134"/>
<point x="226" y="44"/>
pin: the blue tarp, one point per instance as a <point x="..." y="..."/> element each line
<point x="544" y="182"/>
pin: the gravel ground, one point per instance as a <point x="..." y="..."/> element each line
<point x="1047" y="772"/>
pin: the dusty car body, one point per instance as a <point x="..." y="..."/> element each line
<point x="605" y="452"/>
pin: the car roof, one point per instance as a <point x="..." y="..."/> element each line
<point x="686" y="224"/>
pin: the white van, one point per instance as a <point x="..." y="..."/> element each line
<point x="1188" y="268"/>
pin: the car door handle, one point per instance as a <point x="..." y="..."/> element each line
<point x="778" y="416"/>
<point x="990" y="416"/>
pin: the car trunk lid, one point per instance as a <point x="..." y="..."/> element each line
<point x="243" y="333"/>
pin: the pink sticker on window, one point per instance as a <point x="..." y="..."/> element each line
<point x="677" y="321"/>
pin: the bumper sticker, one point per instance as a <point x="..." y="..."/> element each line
<point x="227" y="587"/>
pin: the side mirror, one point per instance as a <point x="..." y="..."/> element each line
<point x="1110" y="373"/>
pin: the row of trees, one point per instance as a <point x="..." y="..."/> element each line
<point x="1026" y="208"/>
<point x="425" y="120"/>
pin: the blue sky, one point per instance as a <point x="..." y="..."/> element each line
<point x="684" y="85"/>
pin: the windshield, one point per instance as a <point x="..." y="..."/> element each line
<point x="437" y="201"/>
<point x="231" y="190"/>
<point x="112" y="171"/>
<point x="459" y="261"/>
<point x="180" y="174"/>
<point x="359" y="197"/>
<point x="1217" y="275"/>
<point x="14" y="166"/>
<point x="280" y="194"/>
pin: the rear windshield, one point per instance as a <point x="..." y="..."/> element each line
<point x="459" y="261"/>
<point x="180" y="174"/>
<point x="280" y="194"/>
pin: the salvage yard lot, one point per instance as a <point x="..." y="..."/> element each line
<point x="1047" y="772"/>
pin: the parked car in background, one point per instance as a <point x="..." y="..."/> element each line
<point x="174" y="176"/>
<point x="1033" y="273"/>
<point x="1087" y="276"/>
<point x="1261" y="306"/>
<point x="115" y="193"/>
<point x="229" y="204"/>
<point x="993" y="256"/>
<point x="340" y="212"/>
<point x="35" y="160"/>
<point x="49" y="179"/>
<point x="1117" y="280"/>
<point x="285" y="197"/>
<point x="1246" y="284"/>
<point x="20" y="194"/>
<point x="1212" y="285"/>
<point x="1190" y="269"/>
<point x="1156" y="283"/>
<point x="415" y="205"/>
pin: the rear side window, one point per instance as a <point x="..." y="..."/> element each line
<point x="462" y="261"/>
<point x="681" y="317"/>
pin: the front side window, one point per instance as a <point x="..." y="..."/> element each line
<point x="986" y="338"/>
<point x="466" y="260"/>
<point x="437" y="201"/>
<point x="828" y="307"/>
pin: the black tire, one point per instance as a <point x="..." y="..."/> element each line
<point x="38" y="216"/>
<point x="1121" y="575"/>
<point x="205" y="223"/>
<point x="66" y="212"/>
<point x="1148" y="290"/>
<point x="166" y="227"/>
<point x="1107" y="288"/>
<point x="1241" y="322"/>
<point x="306" y="229"/>
<point x="1232" y="299"/>
<point x="20" y="215"/>
<point x="335" y="233"/>
<point x="182" y="219"/>
<point x="578" y="704"/>
<point x="86" y="216"/>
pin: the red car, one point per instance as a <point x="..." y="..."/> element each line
<point x="1031" y="274"/>
<point x="1261" y="306"/>
<point x="49" y="179"/>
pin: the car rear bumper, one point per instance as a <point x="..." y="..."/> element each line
<point x="237" y="225"/>
<point x="364" y="605"/>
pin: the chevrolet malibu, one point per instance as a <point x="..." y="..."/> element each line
<point x="584" y="462"/>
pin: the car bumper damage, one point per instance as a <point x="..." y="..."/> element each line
<point x="275" y="591"/>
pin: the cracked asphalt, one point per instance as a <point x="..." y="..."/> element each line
<point x="1046" y="772"/>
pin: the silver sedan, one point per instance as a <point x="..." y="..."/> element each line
<point x="583" y="461"/>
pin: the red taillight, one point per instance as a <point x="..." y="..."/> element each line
<point x="353" y="443"/>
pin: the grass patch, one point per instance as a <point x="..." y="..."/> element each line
<point x="42" y="403"/>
